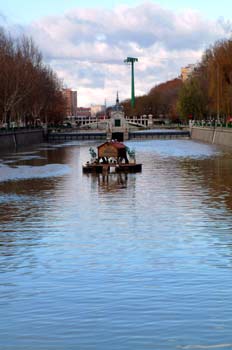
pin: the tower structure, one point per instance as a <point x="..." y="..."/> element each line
<point x="131" y="61"/>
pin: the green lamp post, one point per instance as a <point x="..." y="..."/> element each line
<point x="132" y="60"/>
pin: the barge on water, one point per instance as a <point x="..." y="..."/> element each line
<point x="113" y="156"/>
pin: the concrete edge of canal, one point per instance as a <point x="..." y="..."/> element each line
<point x="10" y="140"/>
<point x="217" y="136"/>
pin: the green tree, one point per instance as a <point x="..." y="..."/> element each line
<point x="192" y="100"/>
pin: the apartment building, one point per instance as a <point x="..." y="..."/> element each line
<point x="71" y="102"/>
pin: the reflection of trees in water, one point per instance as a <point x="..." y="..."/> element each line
<point x="28" y="187"/>
<point x="52" y="155"/>
<point x="215" y="174"/>
<point x="60" y="155"/>
<point x="21" y="198"/>
<point x="22" y="201"/>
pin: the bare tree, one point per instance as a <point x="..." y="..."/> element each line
<point x="28" y="87"/>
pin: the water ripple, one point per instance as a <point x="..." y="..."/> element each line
<point x="137" y="261"/>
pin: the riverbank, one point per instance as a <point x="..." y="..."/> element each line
<point x="10" y="140"/>
<point x="218" y="136"/>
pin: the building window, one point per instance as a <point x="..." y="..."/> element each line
<point x="117" y="122"/>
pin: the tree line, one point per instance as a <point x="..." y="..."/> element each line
<point x="30" y="92"/>
<point x="205" y="95"/>
<point x="161" y="101"/>
<point x="208" y="93"/>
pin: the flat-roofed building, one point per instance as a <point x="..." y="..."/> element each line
<point x="71" y="101"/>
<point x="83" y="112"/>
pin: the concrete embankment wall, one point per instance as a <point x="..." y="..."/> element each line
<point x="156" y="134"/>
<point x="217" y="136"/>
<point x="120" y="136"/>
<point x="11" y="140"/>
<point x="80" y="136"/>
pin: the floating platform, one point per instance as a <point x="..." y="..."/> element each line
<point x="112" y="157"/>
<point x="108" y="168"/>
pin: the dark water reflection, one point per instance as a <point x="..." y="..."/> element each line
<point x="137" y="261"/>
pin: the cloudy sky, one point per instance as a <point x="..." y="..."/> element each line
<point x="86" y="42"/>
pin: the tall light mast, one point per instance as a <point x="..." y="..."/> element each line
<point x="131" y="61"/>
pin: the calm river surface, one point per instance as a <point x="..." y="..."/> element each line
<point x="118" y="263"/>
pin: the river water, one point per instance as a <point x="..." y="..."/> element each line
<point x="134" y="262"/>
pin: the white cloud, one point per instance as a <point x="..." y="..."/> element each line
<point x="87" y="47"/>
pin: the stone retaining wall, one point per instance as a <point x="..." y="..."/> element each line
<point x="217" y="136"/>
<point x="12" y="139"/>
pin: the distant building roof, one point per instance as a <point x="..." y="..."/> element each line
<point x="117" y="106"/>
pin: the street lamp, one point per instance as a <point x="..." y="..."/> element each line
<point x="132" y="60"/>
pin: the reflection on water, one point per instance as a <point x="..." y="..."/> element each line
<point x="117" y="261"/>
<point x="109" y="182"/>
